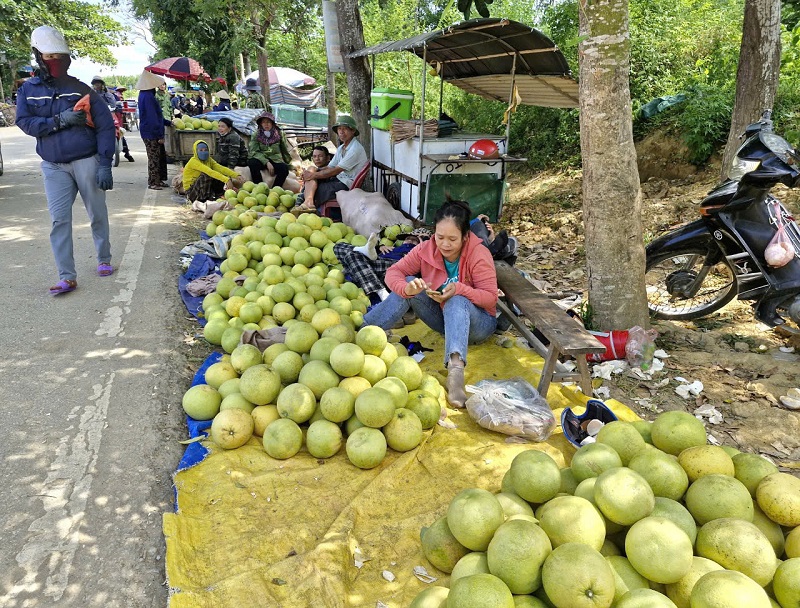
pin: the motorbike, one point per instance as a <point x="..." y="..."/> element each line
<point x="701" y="266"/>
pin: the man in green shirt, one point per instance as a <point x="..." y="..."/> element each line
<point x="255" y="100"/>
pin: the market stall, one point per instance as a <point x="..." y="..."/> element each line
<point x="498" y="59"/>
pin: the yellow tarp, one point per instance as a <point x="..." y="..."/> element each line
<point x="251" y="531"/>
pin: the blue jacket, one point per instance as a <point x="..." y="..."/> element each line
<point x="151" y="117"/>
<point x="38" y="103"/>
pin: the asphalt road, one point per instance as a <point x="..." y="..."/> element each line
<point x="90" y="386"/>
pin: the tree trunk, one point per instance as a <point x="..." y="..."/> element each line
<point x="359" y="80"/>
<point x="611" y="194"/>
<point x="246" y="63"/>
<point x="331" y="89"/>
<point x="757" y="74"/>
<point x="263" y="70"/>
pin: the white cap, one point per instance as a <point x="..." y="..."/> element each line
<point x="46" y="39"/>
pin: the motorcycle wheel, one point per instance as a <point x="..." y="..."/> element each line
<point x="667" y="273"/>
<point x="117" y="151"/>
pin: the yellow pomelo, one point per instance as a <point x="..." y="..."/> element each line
<point x="366" y="447"/>
<point x="355" y="385"/>
<point x="229" y="387"/>
<point x="592" y="459"/>
<point x="535" y="476"/>
<point x="662" y="472"/>
<point x="715" y="496"/>
<point x="431" y="597"/>
<point x="792" y="546"/>
<point x="658" y="549"/>
<point x="244" y="356"/>
<point x="324" y="319"/>
<point x="644" y="598"/>
<point x="577" y="576"/>
<point x="677" y="513"/>
<point x="513" y="504"/>
<point x="786" y="584"/>
<point x="473" y="517"/>
<point x="623" y="496"/>
<point x="440" y="547"/>
<point x="283" y="439"/>
<point x="232" y="428"/>
<point x="727" y="589"/>
<point x="625" y="577"/>
<point x="372" y="340"/>
<point x="738" y="545"/>
<point x="323" y="439"/>
<point x="675" y="431"/>
<point x="260" y="385"/>
<point x="297" y="403"/>
<point x="220" y="372"/>
<point x="319" y="377"/>
<point x="408" y="370"/>
<point x="571" y="519"/>
<point x="337" y="404"/>
<point x="479" y="591"/>
<point x="201" y="402"/>
<point x="778" y="495"/>
<point x="701" y="460"/>
<point x="623" y="437"/>
<point x="263" y="416"/>
<point x="283" y="312"/>
<point x="272" y="351"/>
<point x="374" y="368"/>
<point x="771" y="530"/>
<point x="375" y="407"/>
<point x="585" y="490"/>
<point x="680" y="591"/>
<point x="347" y="359"/>
<point x="397" y="389"/>
<point x="341" y="331"/>
<point x="321" y="351"/>
<point x="750" y="469"/>
<point x="236" y="401"/>
<point x="516" y="554"/>
<point x="287" y="365"/>
<point x="404" y="431"/>
<point x="300" y="337"/>
<point x="471" y="563"/>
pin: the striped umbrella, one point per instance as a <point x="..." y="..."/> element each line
<point x="179" y="68"/>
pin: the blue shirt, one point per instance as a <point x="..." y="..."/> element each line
<point x="452" y="272"/>
<point x="151" y="118"/>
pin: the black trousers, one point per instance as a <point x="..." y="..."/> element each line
<point x="256" y="166"/>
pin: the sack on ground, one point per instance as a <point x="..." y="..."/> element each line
<point x="512" y="407"/>
<point x="368" y="212"/>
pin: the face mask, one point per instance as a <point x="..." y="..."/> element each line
<point x="202" y="154"/>
<point x="58" y="67"/>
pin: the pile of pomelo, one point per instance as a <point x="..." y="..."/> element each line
<point x="250" y="200"/>
<point x="324" y="386"/>
<point x="194" y="124"/>
<point x="278" y="271"/>
<point x="649" y="516"/>
<point x="394" y="235"/>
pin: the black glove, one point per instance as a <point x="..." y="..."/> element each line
<point x="105" y="181"/>
<point x="70" y="118"/>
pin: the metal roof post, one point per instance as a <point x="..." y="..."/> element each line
<point x="422" y="126"/>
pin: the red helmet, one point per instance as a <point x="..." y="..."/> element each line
<point x="484" y="148"/>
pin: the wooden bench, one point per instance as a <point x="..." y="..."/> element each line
<point x="567" y="338"/>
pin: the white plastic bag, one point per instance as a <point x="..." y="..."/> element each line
<point x="368" y="212"/>
<point x="512" y="407"/>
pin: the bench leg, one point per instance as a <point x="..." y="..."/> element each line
<point x="586" y="378"/>
<point x="547" y="370"/>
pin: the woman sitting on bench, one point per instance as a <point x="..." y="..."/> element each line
<point x="450" y="283"/>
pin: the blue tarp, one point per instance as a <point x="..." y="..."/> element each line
<point x="200" y="266"/>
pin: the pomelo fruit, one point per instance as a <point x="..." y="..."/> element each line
<point x="236" y="401"/>
<point x="568" y="481"/>
<point x="263" y="416"/>
<point x="715" y="496"/>
<point x="535" y="476"/>
<point x="272" y="351"/>
<point x="677" y="513"/>
<point x="662" y="472"/>
<point x="750" y="469"/>
<point x="229" y="387"/>
<point x="778" y="495"/>
<point x="426" y="408"/>
<point x="388" y="354"/>
<point x="201" y="402"/>
<point x="374" y="369"/>
<point x="585" y="490"/>
<point x="366" y="447"/>
<point x="319" y="377"/>
<point x="213" y="331"/>
<point x="341" y="331"/>
<point x="297" y="403"/>
<point x="473" y="517"/>
<point x="251" y="312"/>
<point x="396" y="388"/>
<point x="680" y="591"/>
<point x="352" y="424"/>
<point x="404" y="431"/>
<point x="626" y="578"/>
<point x="337" y="404"/>
<point x="347" y="359"/>
<point x="644" y="427"/>
<point x="792" y="545"/>
<point x="432" y="597"/>
<point x="408" y="370"/>
<point x="727" y="589"/>
<point x="440" y="547"/>
<point x="260" y="385"/>
<point x="323" y="439"/>
<point x="576" y="576"/>
<point x="220" y="372"/>
<point x="232" y="428"/>
<point x="570" y="519"/>
<point x="355" y="385"/>
<point x="786" y="584"/>
<point x="771" y="530"/>
<point x="623" y="437"/>
<point x="623" y="496"/>
<point x="659" y="550"/>
<point x="701" y="460"/>
<point x="516" y="554"/>
<point x="372" y="340"/>
<point x="608" y="549"/>
<point x="479" y="591"/>
<point x="300" y="337"/>
<point x="644" y="598"/>
<point x="325" y="319"/>
<point x="230" y="339"/>
<point x="675" y="431"/>
<point x="513" y="504"/>
<point x="738" y="545"/>
<point x="283" y="439"/>
<point x="321" y="351"/>
<point x="375" y="407"/>
<point x="592" y="459"/>
<point x="287" y="365"/>
<point x="471" y="563"/>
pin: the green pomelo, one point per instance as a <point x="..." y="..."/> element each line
<point x="771" y="530"/>
<point x="717" y="496"/>
<point x="321" y="351"/>
<point x="232" y="428"/>
<point x="300" y="337"/>
<point x="778" y="495"/>
<point x="260" y="385"/>
<point x="675" y="431"/>
<point x="229" y="387"/>
<point x="623" y="438"/>
<point x="374" y="369"/>
<point x="408" y="370"/>
<point x="397" y="389"/>
<point x="677" y="514"/>
<point x="375" y="407"/>
<point x="750" y="469"/>
<point x="340" y="331"/>
<point x="701" y="460"/>
<point x="592" y="459"/>
<point x="319" y="377"/>
<point x="535" y="476"/>
<point x="347" y="359"/>
<point x="426" y="408"/>
<point x="231" y="338"/>
<point x="577" y="576"/>
<point x="665" y="476"/>
<point x="323" y="439"/>
<point x="625" y="577"/>
<point x="283" y="439"/>
<point x="479" y="590"/>
<point x="297" y="403"/>
<point x="680" y="591"/>
<point x="220" y="372"/>
<point x="644" y="598"/>
<point x="372" y="340"/>
<point x="440" y="547"/>
<point x="471" y="563"/>
<point x="513" y="504"/>
<point x="272" y="351"/>
<point x="366" y="447"/>
<point x="404" y="431"/>
<point x="431" y="597"/>
<point x="235" y="401"/>
<point x="516" y="554"/>
<point x="623" y="496"/>
<point x="355" y="385"/>
<point x="727" y="589"/>
<point x="288" y="365"/>
<point x="738" y="545"/>
<point x="201" y="402"/>
<point x="473" y="517"/>
<point x="786" y="584"/>
<point x="659" y="550"/>
<point x="244" y="356"/>
<point x="571" y="519"/>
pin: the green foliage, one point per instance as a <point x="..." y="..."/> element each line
<point x="705" y="119"/>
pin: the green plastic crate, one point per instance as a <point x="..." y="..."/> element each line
<point x="393" y="103"/>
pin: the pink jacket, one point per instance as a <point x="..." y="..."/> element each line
<point x="477" y="280"/>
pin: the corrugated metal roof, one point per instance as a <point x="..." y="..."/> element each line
<point x="478" y="55"/>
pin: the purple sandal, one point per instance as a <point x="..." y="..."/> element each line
<point x="63" y="286"/>
<point x="105" y="270"/>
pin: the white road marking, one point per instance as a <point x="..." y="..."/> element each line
<point x="56" y="534"/>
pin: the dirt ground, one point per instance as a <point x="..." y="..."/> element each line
<point x="743" y="365"/>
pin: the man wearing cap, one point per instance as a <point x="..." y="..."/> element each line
<point x="255" y="100"/>
<point x="75" y="157"/>
<point x="322" y="185"/>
